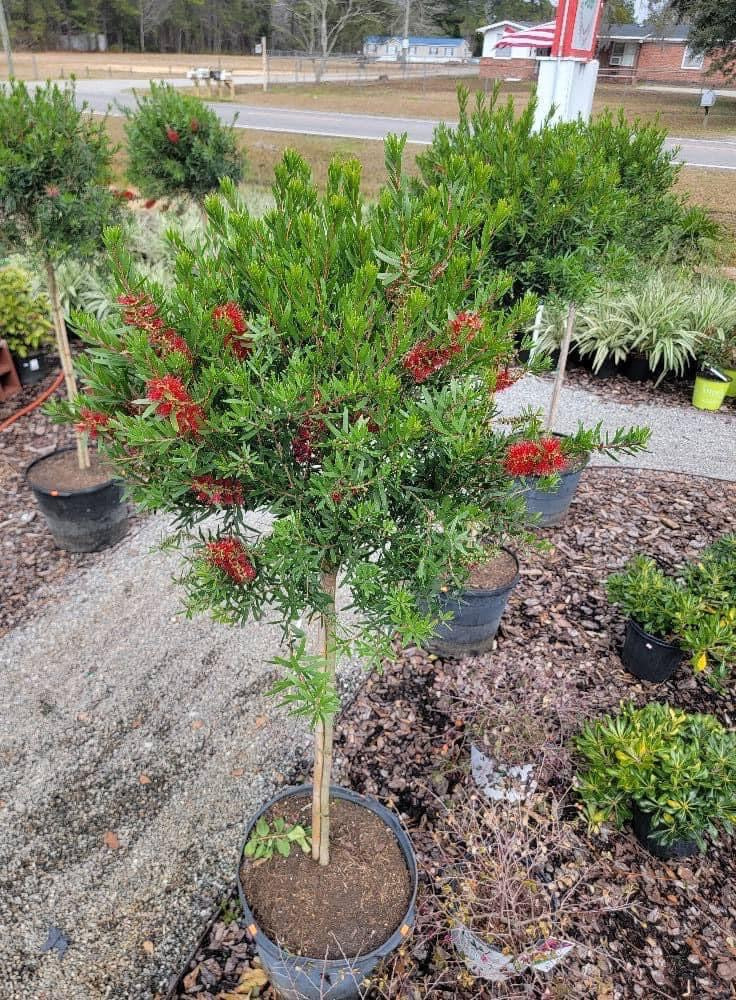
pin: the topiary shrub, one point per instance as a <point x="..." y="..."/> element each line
<point x="178" y="146"/>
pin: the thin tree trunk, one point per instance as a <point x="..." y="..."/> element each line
<point x="65" y="355"/>
<point x="561" y="366"/>
<point x="323" y="736"/>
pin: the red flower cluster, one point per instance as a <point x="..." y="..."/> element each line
<point x="52" y="190"/>
<point x="302" y="444"/>
<point x="142" y="312"/>
<point x="194" y="125"/>
<point x="230" y="316"/>
<point x="535" y="458"/>
<point x="170" y="341"/>
<point x="91" y="422"/>
<point x="172" y="135"/>
<point x="469" y="321"/>
<point x="422" y="360"/>
<point x="231" y="557"/>
<point x="218" y="492"/>
<point x="169" y="393"/>
<point x="150" y="202"/>
<point x="504" y="380"/>
<point x="336" y="496"/>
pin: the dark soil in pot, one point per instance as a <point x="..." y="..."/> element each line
<point x="84" y="508"/>
<point x="344" y="909"/>
<point x="642" y="826"/>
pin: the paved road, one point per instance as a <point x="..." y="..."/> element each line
<point x="101" y="94"/>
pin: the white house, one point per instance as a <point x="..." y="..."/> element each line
<point x="421" y="49"/>
<point x="492" y="34"/>
<point x="512" y="61"/>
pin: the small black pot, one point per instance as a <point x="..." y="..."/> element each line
<point x="608" y="369"/>
<point x="297" y="977"/>
<point x="550" y="506"/>
<point x="476" y="617"/>
<point x="647" y="657"/>
<point x="82" y="520"/>
<point x="636" y="368"/>
<point x="642" y="825"/>
<point x="31" y="369"/>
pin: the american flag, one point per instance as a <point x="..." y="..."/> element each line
<point x="539" y="36"/>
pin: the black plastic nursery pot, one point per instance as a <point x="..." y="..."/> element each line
<point x="636" y="368"/>
<point x="549" y="507"/>
<point x="297" y="977"/>
<point x="31" y="369"/>
<point x="608" y="369"/>
<point x="642" y="826"/>
<point x="647" y="657"/>
<point x="81" y="520"/>
<point x="476" y="616"/>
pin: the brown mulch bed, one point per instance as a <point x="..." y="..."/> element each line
<point x="641" y="927"/>
<point x="32" y="565"/>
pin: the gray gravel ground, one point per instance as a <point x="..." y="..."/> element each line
<point x="107" y="685"/>
<point x="683" y="440"/>
<point x="110" y="684"/>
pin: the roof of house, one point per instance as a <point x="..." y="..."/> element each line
<point x="505" y="24"/>
<point x="647" y="33"/>
<point x="415" y="40"/>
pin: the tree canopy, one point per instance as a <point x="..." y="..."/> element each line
<point x="712" y="30"/>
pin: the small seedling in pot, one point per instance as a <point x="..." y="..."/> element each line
<point x="279" y="837"/>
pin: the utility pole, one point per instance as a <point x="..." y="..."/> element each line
<point x="405" y="46"/>
<point x="264" y="62"/>
<point x="6" y="40"/>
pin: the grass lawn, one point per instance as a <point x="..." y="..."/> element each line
<point x="436" y="98"/>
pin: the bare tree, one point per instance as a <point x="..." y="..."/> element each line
<point x="316" y="25"/>
<point x="150" y="15"/>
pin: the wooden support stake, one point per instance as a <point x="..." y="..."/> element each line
<point x="323" y="736"/>
<point x="561" y="366"/>
<point x="65" y="355"/>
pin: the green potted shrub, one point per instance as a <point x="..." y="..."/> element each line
<point x="335" y="368"/>
<point x="177" y="146"/>
<point x="54" y="202"/>
<point x="547" y="467"/>
<point x="712" y="383"/>
<point x="670" y="617"/>
<point x="24" y="324"/>
<point x="671" y="773"/>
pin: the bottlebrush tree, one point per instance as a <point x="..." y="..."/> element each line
<point x="178" y="146"/>
<point x="55" y="198"/>
<point x="336" y="367"/>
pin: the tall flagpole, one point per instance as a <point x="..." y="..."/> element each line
<point x="6" y="40"/>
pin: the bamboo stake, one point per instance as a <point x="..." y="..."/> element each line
<point x="324" y="736"/>
<point x="561" y="366"/>
<point x="65" y="355"/>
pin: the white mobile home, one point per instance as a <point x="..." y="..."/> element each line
<point x="420" y="49"/>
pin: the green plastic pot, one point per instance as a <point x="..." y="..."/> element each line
<point x="708" y="394"/>
<point x="731" y="387"/>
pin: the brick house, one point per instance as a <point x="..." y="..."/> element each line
<point x="637" y="53"/>
<point x="503" y="62"/>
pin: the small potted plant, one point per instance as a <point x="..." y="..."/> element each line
<point x="24" y="324"/>
<point x="547" y="467"/>
<point x="54" y="203"/>
<point x="672" y="774"/>
<point x="669" y="617"/>
<point x="712" y="383"/>
<point x="322" y="363"/>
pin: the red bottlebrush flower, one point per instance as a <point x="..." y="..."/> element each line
<point x="194" y="125"/>
<point x="504" y="380"/>
<point x="172" y="398"/>
<point x="230" y="317"/>
<point x="336" y="496"/>
<point x="468" y="321"/>
<point x="91" y="422"/>
<point x="535" y="458"/>
<point x="125" y="195"/>
<point x="302" y="444"/>
<point x="170" y="342"/>
<point x="189" y="418"/>
<point x="150" y="202"/>
<point x="172" y="135"/>
<point x="231" y="557"/>
<point x="140" y="311"/>
<point x="422" y="360"/>
<point x="218" y="492"/>
<point x="52" y="191"/>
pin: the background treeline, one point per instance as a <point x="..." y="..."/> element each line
<point x="234" y="26"/>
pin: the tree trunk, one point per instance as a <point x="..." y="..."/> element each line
<point x="141" y="28"/>
<point x="323" y="735"/>
<point x="65" y="355"/>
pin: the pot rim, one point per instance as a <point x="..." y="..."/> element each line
<point x="63" y="493"/>
<point x="484" y="591"/>
<point x="394" y="824"/>
<point x="665" y="643"/>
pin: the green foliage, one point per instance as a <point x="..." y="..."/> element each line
<point x="24" y="317"/>
<point x="178" y="146"/>
<point x="278" y="837"/>
<point x="54" y="173"/>
<point x="712" y="30"/>
<point x="697" y="608"/>
<point x="584" y="199"/>
<point x="678" y="768"/>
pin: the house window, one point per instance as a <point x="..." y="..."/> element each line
<point x="622" y="54"/>
<point x="433" y="50"/>
<point x="692" y="60"/>
<point x="392" y="50"/>
<point x="448" y="50"/>
<point x="502" y="52"/>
